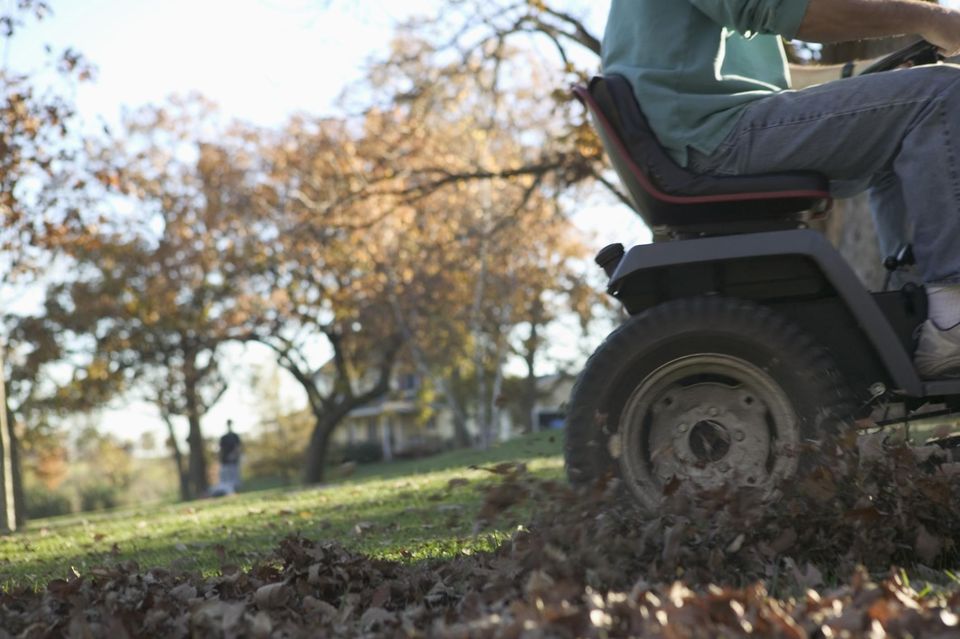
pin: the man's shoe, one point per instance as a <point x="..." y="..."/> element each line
<point x="938" y="352"/>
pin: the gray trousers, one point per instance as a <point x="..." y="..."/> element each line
<point x="895" y="133"/>
<point x="230" y="475"/>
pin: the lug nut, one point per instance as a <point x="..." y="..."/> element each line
<point x="740" y="435"/>
<point x="713" y="412"/>
<point x="683" y="428"/>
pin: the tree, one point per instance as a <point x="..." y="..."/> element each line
<point x="10" y="518"/>
<point x="36" y="198"/>
<point x="486" y="164"/>
<point x="397" y="230"/>
<point x="319" y="283"/>
<point x="26" y="397"/>
<point x="157" y="295"/>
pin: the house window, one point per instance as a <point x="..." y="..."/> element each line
<point x="548" y="419"/>
<point x="408" y="382"/>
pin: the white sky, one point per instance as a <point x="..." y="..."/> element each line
<point x="260" y="61"/>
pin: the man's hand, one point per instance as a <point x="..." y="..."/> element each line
<point x="944" y="31"/>
<point x="844" y="20"/>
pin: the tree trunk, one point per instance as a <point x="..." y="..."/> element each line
<point x="329" y="411"/>
<point x="529" y="403"/>
<point x="494" y="426"/>
<point x="182" y="475"/>
<point x="460" y="430"/>
<point x="319" y="448"/>
<point x="480" y="343"/>
<point x="482" y="411"/>
<point x="531" y="347"/>
<point x="197" y="464"/>
<point x="19" y="499"/>
<point x="9" y="508"/>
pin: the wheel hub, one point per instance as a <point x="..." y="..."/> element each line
<point x="709" y="441"/>
<point x="709" y="433"/>
<point x="709" y="422"/>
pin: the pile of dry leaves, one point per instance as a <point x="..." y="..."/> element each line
<point x="582" y="565"/>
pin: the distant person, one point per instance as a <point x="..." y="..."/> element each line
<point x="230" y="449"/>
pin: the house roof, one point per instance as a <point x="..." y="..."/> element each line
<point x="386" y="406"/>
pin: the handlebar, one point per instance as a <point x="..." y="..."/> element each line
<point x="920" y="52"/>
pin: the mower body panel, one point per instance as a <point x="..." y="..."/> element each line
<point x="802" y="276"/>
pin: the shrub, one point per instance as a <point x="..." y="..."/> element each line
<point x="99" y="497"/>
<point x="360" y="453"/>
<point x="46" y="503"/>
<point x="422" y="447"/>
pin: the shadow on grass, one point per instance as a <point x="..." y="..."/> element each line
<point x="535" y="446"/>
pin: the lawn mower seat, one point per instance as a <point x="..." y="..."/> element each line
<point x="675" y="202"/>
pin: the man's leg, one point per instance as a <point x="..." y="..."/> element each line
<point x="889" y="212"/>
<point x="901" y="129"/>
<point x="232" y="478"/>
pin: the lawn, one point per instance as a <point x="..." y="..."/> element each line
<point x="407" y="510"/>
<point x="822" y="561"/>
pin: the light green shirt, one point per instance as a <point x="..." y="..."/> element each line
<point x="695" y="64"/>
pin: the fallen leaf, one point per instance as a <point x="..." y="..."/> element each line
<point x="375" y="618"/>
<point x="928" y="546"/>
<point x="272" y="596"/>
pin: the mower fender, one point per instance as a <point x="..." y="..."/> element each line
<point x="798" y="272"/>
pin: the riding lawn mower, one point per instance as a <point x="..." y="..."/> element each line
<point x="749" y="335"/>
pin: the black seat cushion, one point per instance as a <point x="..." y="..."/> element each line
<point x="667" y="194"/>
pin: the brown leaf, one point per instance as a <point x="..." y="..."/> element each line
<point x="927" y="545"/>
<point x="380" y="596"/>
<point x="807" y="578"/>
<point x="671" y="487"/>
<point x="784" y="541"/>
<point x="320" y="608"/>
<point x="272" y="596"/>
<point x="184" y="592"/>
<point x="375" y="618"/>
<point x="262" y="626"/>
<point x="232" y="616"/>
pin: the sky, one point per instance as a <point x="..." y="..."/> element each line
<point x="260" y="61"/>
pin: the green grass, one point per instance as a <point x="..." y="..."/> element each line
<point x="405" y="510"/>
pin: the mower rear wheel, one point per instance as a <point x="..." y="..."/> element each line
<point x="705" y="394"/>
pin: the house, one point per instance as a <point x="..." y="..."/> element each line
<point x="401" y="424"/>
<point x="549" y="411"/>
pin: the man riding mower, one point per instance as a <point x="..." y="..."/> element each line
<point x="750" y="337"/>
